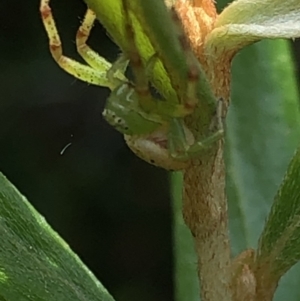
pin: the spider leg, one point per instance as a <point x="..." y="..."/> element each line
<point x="205" y="143"/>
<point x="179" y="137"/>
<point x="190" y="98"/>
<point x="182" y="144"/>
<point x="83" y="33"/>
<point x="166" y="108"/>
<point x="115" y="73"/>
<point x="141" y="73"/>
<point x="117" y="70"/>
<point x="96" y="76"/>
<point x="220" y="114"/>
<point x="146" y="101"/>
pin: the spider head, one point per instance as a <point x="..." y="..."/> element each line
<point x="123" y="112"/>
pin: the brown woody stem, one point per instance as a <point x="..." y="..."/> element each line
<point x="205" y="213"/>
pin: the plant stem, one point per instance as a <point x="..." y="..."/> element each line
<point x="205" y="213"/>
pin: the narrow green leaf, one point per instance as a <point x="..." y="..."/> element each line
<point x="35" y="263"/>
<point x="280" y="240"/>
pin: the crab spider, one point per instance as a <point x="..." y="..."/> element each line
<point x="154" y="129"/>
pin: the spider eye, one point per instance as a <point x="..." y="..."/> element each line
<point x="116" y="121"/>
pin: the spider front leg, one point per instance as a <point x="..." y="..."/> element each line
<point x="96" y="70"/>
<point x="141" y="71"/>
<point x="141" y="80"/>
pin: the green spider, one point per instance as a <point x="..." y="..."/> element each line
<point x="153" y="129"/>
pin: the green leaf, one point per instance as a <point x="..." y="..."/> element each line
<point x="280" y="241"/>
<point x="246" y="21"/>
<point x="35" y="263"/>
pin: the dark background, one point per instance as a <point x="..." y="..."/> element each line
<point x="112" y="208"/>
